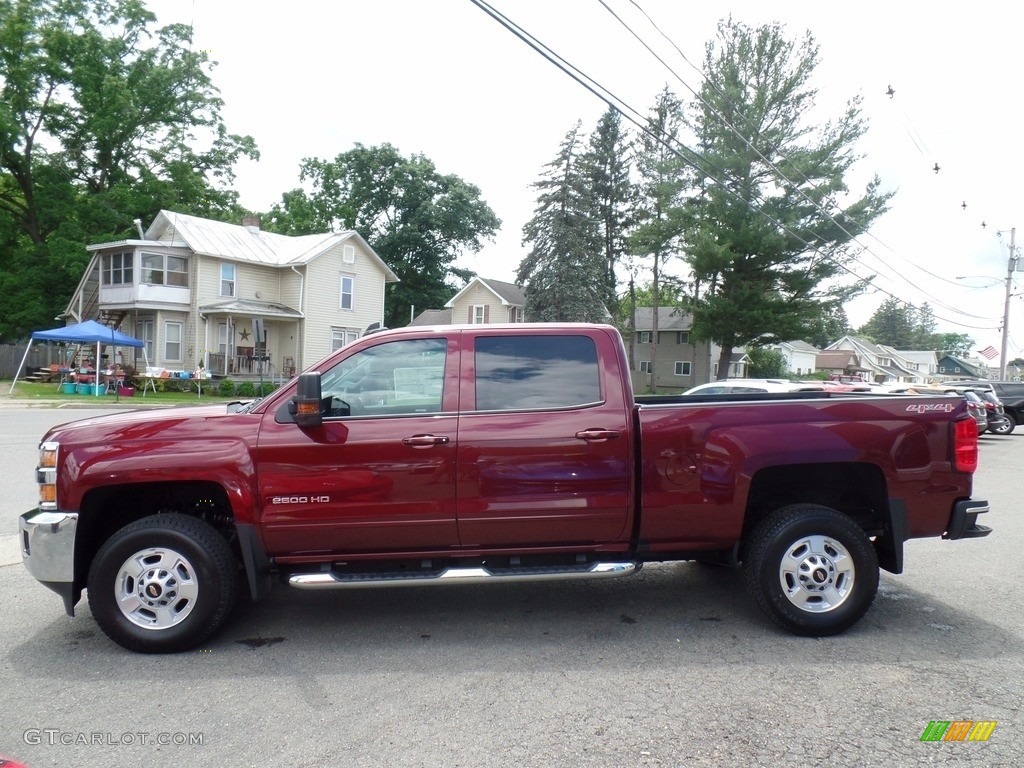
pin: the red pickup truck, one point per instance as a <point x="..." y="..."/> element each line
<point x="490" y="453"/>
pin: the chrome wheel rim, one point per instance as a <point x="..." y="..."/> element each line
<point x="156" y="588"/>
<point x="817" y="574"/>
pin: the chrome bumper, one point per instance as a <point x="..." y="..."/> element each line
<point x="48" y="551"/>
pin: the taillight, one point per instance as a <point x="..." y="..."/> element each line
<point x="965" y="445"/>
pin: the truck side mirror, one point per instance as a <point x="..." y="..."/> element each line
<point x="305" y="404"/>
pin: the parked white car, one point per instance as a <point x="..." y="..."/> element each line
<point x="751" y="386"/>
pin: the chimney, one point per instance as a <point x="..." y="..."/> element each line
<point x="251" y="223"/>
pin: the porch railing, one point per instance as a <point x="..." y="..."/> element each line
<point x="239" y="365"/>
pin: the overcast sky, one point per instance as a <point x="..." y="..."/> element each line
<point x="308" y="78"/>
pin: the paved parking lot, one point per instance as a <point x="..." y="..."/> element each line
<point x="674" y="667"/>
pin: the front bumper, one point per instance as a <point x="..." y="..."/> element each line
<point x="48" y="551"/>
<point x="963" y="523"/>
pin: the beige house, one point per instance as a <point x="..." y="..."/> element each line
<point x="681" y="362"/>
<point x="483" y="300"/>
<point x="488" y="301"/>
<point x="238" y="301"/>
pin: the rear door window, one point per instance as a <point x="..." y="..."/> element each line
<point x="536" y="372"/>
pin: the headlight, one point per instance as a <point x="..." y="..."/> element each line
<point x="46" y="475"/>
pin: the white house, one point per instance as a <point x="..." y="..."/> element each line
<point x="882" y="364"/>
<point x="800" y="356"/>
<point x="233" y="298"/>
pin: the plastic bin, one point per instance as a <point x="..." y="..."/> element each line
<point x="67" y="388"/>
<point x="126" y="391"/>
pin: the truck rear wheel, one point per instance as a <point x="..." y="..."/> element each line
<point x="811" y="569"/>
<point x="162" y="584"/>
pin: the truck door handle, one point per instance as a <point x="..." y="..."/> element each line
<point x="598" y="434"/>
<point x="424" y="441"/>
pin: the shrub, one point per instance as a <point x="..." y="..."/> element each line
<point x="226" y="387"/>
<point x="246" y="389"/>
<point x="267" y="388"/>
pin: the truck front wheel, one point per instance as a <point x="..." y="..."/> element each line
<point x="162" y="584"/>
<point x="811" y="569"/>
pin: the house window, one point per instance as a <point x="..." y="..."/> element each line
<point x="146" y="331"/>
<point x="478" y="314"/>
<point x="645" y="366"/>
<point x="117" y="268"/>
<point x="682" y="337"/>
<point x="682" y="367"/>
<point x="342" y="336"/>
<point x="348" y="254"/>
<point x="515" y="314"/>
<point x="227" y="279"/>
<point x="644" y="337"/>
<point x="715" y="373"/>
<point x="348" y="288"/>
<point x="942" y="369"/>
<point x="172" y="341"/>
<point x="164" y="269"/>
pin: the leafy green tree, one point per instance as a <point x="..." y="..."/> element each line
<point x="893" y="324"/>
<point x="956" y="344"/>
<point x="924" y="335"/>
<point x="766" y="363"/>
<point x="418" y="220"/>
<point x="103" y="119"/>
<point x="831" y="325"/>
<point x="771" y="226"/>
<point x="564" y="273"/>
<point x="657" y="235"/>
<point x="606" y="163"/>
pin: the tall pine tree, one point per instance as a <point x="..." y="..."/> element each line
<point x="564" y="273"/>
<point x="657" y="236"/>
<point x="773" y="225"/>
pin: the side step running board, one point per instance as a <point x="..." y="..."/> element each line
<point x="476" y="574"/>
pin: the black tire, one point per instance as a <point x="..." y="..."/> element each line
<point x="811" y="569"/>
<point x="163" y="584"/>
<point x="1007" y="427"/>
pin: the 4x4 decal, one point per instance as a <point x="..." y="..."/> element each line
<point x="925" y="407"/>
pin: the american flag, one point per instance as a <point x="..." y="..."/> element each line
<point x="989" y="352"/>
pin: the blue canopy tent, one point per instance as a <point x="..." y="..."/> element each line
<point x="88" y="332"/>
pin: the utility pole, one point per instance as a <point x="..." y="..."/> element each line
<point x="1010" y="264"/>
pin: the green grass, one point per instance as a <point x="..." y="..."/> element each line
<point x="27" y="390"/>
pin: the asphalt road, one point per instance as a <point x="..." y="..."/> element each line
<point x="673" y="667"/>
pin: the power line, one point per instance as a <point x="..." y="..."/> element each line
<point x="725" y="121"/>
<point x="643" y="125"/>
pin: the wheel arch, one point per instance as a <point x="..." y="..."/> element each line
<point x="856" y="489"/>
<point x="107" y="509"/>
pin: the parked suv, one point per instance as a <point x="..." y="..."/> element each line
<point x="1010" y="394"/>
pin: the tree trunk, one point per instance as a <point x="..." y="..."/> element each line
<point x="723" y="363"/>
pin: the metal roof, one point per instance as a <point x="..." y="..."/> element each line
<point x="243" y="243"/>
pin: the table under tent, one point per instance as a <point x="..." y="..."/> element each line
<point x="89" y="332"/>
